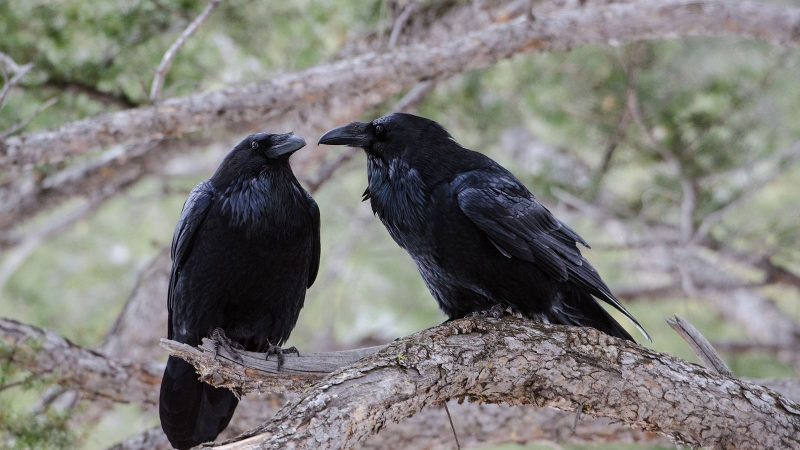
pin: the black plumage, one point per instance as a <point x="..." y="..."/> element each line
<point x="245" y="249"/>
<point x="479" y="238"/>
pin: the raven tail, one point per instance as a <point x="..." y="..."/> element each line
<point x="582" y="309"/>
<point x="192" y="412"/>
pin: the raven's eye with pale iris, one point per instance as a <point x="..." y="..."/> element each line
<point x="254" y="145"/>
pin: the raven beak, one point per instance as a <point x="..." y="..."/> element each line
<point x="354" y="135"/>
<point x="285" y="144"/>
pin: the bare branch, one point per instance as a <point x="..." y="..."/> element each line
<point x="400" y="22"/>
<point x="17" y="70"/>
<point x="395" y="70"/>
<point x="172" y="52"/>
<point x="19" y="126"/>
<point x="50" y="356"/>
<point x="700" y="345"/>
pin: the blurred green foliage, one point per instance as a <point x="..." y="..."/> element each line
<point x="722" y="107"/>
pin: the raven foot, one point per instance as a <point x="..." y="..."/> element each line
<point x="279" y="352"/>
<point x="221" y="340"/>
<point x="496" y="311"/>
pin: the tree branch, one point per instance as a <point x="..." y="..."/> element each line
<point x="396" y="70"/>
<point x="45" y="354"/>
<point x="516" y="362"/>
<point x="18" y="72"/>
<point x="172" y="52"/>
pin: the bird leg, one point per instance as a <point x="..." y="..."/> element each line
<point x="279" y="352"/>
<point x="220" y="339"/>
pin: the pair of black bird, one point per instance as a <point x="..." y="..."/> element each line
<point x="247" y="247"/>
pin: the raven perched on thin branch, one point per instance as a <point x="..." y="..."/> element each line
<point x="245" y="250"/>
<point x="480" y="239"/>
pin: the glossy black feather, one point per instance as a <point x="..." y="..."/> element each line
<point x="477" y="235"/>
<point x="245" y="249"/>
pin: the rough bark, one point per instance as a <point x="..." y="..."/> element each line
<point x="397" y="70"/>
<point x="49" y="356"/>
<point x="46" y="354"/>
<point x="477" y="425"/>
<point x="517" y="362"/>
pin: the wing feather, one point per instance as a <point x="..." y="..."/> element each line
<point x="194" y="213"/>
<point x="519" y="226"/>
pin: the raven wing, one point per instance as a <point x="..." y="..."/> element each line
<point x="194" y="213"/>
<point x="521" y="227"/>
<point x="313" y="268"/>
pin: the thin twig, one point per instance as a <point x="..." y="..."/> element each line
<point x="19" y="126"/>
<point x="700" y="345"/>
<point x="169" y="56"/>
<point x="400" y="22"/>
<point x="17" y="70"/>
<point x="452" y="427"/>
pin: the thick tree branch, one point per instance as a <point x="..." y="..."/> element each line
<point x="519" y="362"/>
<point x="399" y="69"/>
<point x="47" y="355"/>
<point x="477" y="425"/>
<point x="44" y="353"/>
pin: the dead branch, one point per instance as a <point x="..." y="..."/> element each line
<point x="700" y="345"/>
<point x="396" y="70"/>
<point x="517" y="362"/>
<point x="50" y="356"/>
<point x="172" y="52"/>
<point x="17" y="71"/>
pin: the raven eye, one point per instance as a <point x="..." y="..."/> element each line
<point x="379" y="129"/>
<point x="254" y="145"/>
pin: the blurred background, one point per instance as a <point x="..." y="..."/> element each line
<point x="678" y="161"/>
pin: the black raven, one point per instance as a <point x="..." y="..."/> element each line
<point x="245" y="249"/>
<point x="480" y="239"/>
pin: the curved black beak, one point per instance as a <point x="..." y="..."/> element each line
<point x="354" y="134"/>
<point x="285" y="144"/>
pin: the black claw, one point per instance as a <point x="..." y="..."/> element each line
<point x="220" y="339"/>
<point x="279" y="352"/>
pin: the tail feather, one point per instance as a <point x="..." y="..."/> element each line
<point x="192" y="412"/>
<point x="582" y="310"/>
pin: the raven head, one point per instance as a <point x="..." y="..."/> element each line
<point x="255" y="154"/>
<point x="389" y="137"/>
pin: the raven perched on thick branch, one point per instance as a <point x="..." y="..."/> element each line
<point x="480" y="239"/>
<point x="244" y="252"/>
